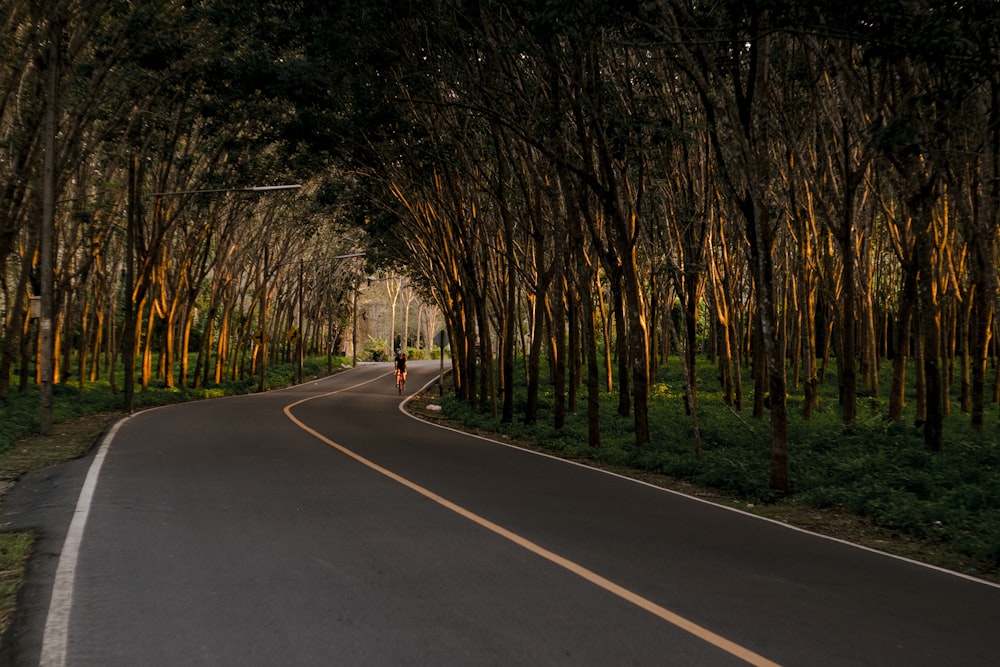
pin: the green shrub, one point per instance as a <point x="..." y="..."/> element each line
<point x="375" y="349"/>
<point x="19" y="412"/>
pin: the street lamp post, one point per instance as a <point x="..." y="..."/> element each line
<point x="299" y="346"/>
<point x="354" y="319"/>
<point x="262" y="330"/>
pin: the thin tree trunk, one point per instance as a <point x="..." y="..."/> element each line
<point x="606" y="334"/>
<point x="593" y="372"/>
<point x="534" y="359"/>
<point x="621" y="351"/>
<point x="897" y="394"/>
<point x="47" y="241"/>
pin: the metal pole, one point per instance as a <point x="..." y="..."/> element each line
<point x="254" y="188"/>
<point x="262" y="359"/>
<point x="128" y="345"/>
<point x="354" y="339"/>
<point x="299" y="340"/>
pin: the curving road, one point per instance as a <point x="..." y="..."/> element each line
<point x="321" y="525"/>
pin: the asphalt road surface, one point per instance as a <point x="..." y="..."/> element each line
<point x="321" y="525"/>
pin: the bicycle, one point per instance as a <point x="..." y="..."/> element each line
<point x="400" y="381"/>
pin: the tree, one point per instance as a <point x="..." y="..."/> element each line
<point x="732" y="82"/>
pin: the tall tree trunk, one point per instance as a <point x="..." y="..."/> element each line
<point x="639" y="348"/>
<point x="29" y="343"/>
<point x="758" y="369"/>
<point x="920" y="343"/>
<point x="810" y="398"/>
<point x="929" y="310"/>
<point x="622" y="350"/>
<point x="486" y="377"/>
<point x="47" y="241"/>
<point x="534" y="358"/>
<point x="147" y="349"/>
<point x="185" y="327"/>
<point x="86" y="342"/>
<point x="557" y="333"/>
<point x="691" y="301"/>
<point x="848" y="353"/>
<point x="468" y="344"/>
<point x="727" y="367"/>
<point x="986" y="219"/>
<point x="934" y="426"/>
<point x="774" y="358"/>
<point x="907" y="300"/>
<point x="507" y="344"/>
<point x="97" y="345"/>
<point x="593" y="372"/>
<point x="17" y="324"/>
<point x="508" y="324"/>
<point x="169" y="354"/>
<point x="222" y="351"/>
<point x="605" y="322"/>
<point x="573" y="352"/>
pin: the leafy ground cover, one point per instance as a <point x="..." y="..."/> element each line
<point x="871" y="482"/>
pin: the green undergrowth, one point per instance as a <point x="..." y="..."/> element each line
<point x="14" y="551"/>
<point x="872" y="468"/>
<point x="19" y="412"/>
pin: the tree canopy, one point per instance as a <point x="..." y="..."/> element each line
<point x="801" y="188"/>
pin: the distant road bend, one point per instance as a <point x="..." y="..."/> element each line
<point x="322" y="525"/>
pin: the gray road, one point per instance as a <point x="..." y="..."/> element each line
<point x="322" y="526"/>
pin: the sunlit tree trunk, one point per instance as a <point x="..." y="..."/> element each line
<point x="929" y="312"/>
<point x="557" y="334"/>
<point x="537" y="330"/>
<point x="983" y="242"/>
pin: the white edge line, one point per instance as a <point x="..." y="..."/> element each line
<point x="56" y="634"/>
<point x="54" y="639"/>
<point x="788" y="526"/>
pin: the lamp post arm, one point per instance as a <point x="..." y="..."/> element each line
<point x="253" y="188"/>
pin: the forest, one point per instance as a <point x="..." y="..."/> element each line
<point x="808" y="191"/>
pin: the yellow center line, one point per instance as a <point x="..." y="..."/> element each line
<point x="698" y="631"/>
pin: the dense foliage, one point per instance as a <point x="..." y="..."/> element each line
<point x="189" y="99"/>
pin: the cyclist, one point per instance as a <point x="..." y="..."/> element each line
<point x="400" y="369"/>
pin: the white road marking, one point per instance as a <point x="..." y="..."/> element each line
<point x="736" y="510"/>
<point x="55" y="637"/>
<point x="56" y="633"/>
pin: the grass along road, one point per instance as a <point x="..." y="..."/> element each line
<point x="68" y="441"/>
